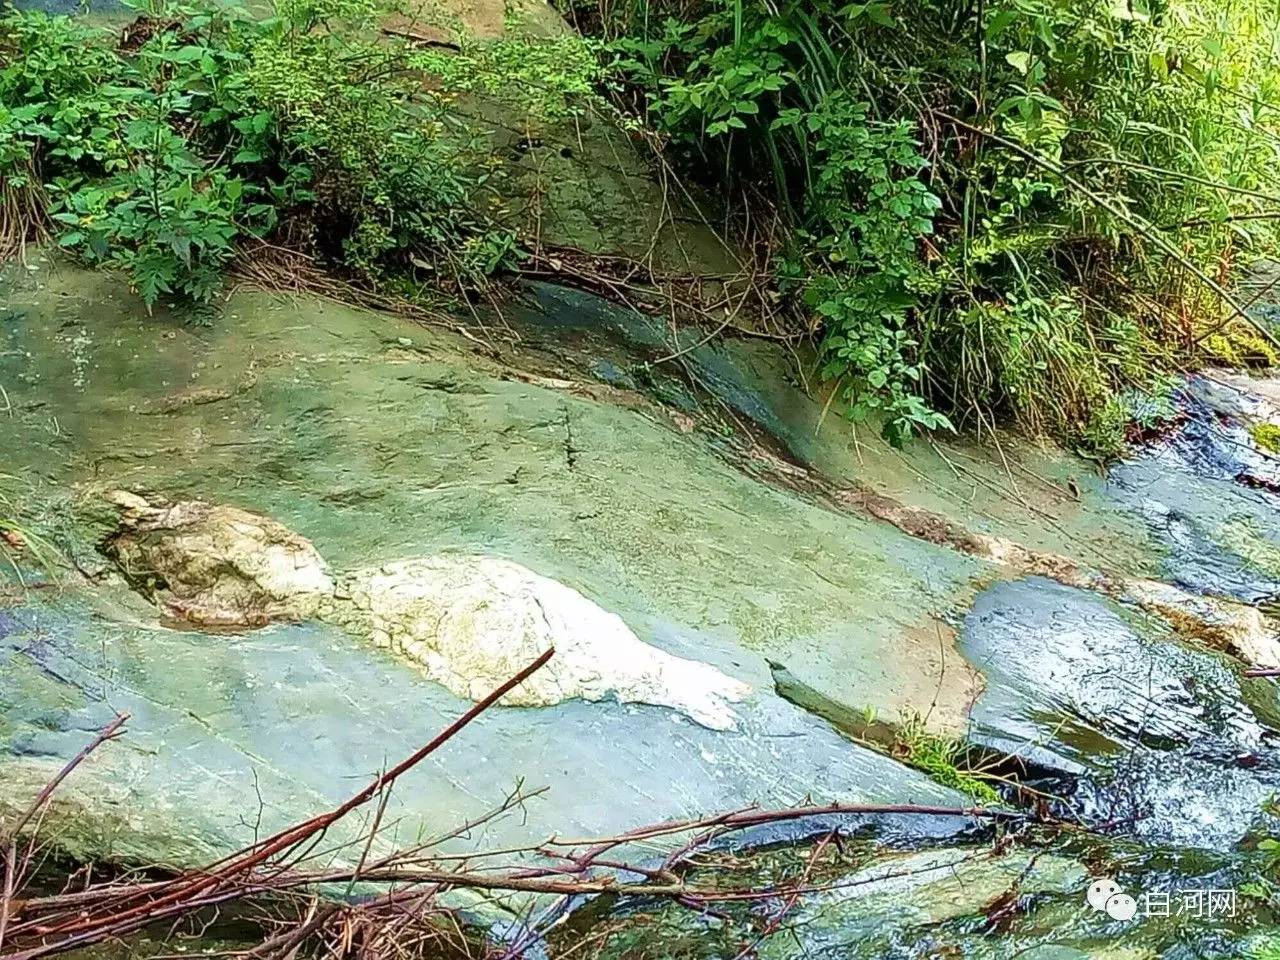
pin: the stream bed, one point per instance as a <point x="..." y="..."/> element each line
<point x="650" y="490"/>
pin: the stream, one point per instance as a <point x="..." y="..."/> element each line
<point x="717" y="515"/>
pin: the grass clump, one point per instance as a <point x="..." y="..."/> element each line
<point x="1238" y="347"/>
<point x="943" y="759"/>
<point x="21" y="547"/>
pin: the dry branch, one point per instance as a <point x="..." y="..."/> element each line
<point x="409" y="914"/>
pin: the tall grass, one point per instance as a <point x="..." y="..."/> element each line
<point x="1101" y="170"/>
<point x="21" y="547"/>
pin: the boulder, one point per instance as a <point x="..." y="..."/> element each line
<point x="216" y="566"/>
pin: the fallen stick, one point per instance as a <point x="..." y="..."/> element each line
<point x="87" y="927"/>
<point x="9" y="841"/>
<point x="68" y="921"/>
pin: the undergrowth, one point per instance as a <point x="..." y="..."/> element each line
<point x="1266" y="436"/>
<point x="1002" y="210"/>
<point x="21" y="548"/>
<point x="203" y="130"/>
<point x="991" y="211"/>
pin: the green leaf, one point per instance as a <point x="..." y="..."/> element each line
<point x="879" y="13"/>
<point x="1020" y="60"/>
<point x="188" y="54"/>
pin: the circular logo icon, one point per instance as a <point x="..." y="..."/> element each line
<point x="1106" y="896"/>
<point x="1121" y="906"/>
<point x="1100" y="891"/>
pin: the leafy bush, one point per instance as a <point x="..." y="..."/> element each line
<point x="549" y="77"/>
<point x="204" y="127"/>
<point x="1266" y="436"/>
<point x="1013" y="209"/>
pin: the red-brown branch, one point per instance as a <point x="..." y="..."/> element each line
<point x="90" y="926"/>
<point x="9" y="840"/>
<point x="415" y="876"/>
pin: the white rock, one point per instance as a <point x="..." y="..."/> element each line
<point x="473" y="621"/>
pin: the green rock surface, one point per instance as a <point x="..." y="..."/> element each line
<point x="379" y="440"/>
<point x="651" y="489"/>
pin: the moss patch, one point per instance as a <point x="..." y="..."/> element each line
<point x="1266" y="436"/>
<point x="1238" y="346"/>
<point x="943" y="759"/>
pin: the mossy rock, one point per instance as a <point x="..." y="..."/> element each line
<point x="558" y="166"/>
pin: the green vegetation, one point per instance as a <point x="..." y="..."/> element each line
<point x="1266" y="436"/>
<point x="19" y="545"/>
<point x="1022" y="211"/>
<point x="548" y="78"/>
<point x="942" y="758"/>
<point x="1012" y="209"/>
<point x="203" y="129"/>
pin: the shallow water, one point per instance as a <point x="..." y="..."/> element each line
<point x="1203" y="492"/>
<point x="1158" y="733"/>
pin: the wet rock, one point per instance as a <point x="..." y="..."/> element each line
<point x="262" y="729"/>
<point x="1206" y="491"/>
<point x="901" y="906"/>
<point x="1142" y="731"/>
<point x="378" y="441"/>
<point x="381" y="454"/>
<point x="869" y="903"/>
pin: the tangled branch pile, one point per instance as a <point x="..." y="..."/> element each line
<point x="397" y="908"/>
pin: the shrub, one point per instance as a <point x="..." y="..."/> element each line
<point x="1019" y="209"/>
<point x="203" y="128"/>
